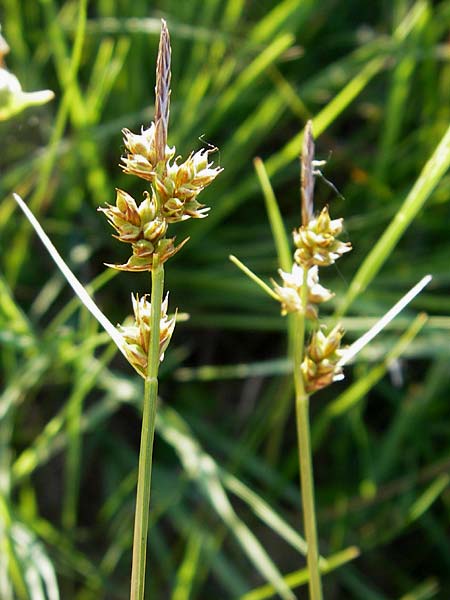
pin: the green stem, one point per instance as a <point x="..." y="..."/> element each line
<point x="304" y="449"/>
<point x="147" y="437"/>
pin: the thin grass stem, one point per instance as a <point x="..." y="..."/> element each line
<point x="253" y="277"/>
<point x="147" y="437"/>
<point x="304" y="450"/>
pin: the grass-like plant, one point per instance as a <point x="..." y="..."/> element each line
<point x="375" y="84"/>
<point x="172" y="197"/>
<point x="316" y="353"/>
<point x="316" y="364"/>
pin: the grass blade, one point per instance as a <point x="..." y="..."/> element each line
<point x="202" y="468"/>
<point x="71" y="279"/>
<point x="301" y="577"/>
<point x="276" y="222"/>
<point x="431" y="174"/>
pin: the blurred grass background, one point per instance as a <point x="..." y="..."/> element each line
<point x="375" y="78"/>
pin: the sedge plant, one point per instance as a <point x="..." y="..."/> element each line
<point x="172" y="197"/>
<point x="357" y="68"/>
<point x="317" y="356"/>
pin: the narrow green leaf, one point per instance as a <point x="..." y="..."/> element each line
<point x="424" y="591"/>
<point x="275" y="219"/>
<point x="264" y="511"/>
<point x="301" y="577"/>
<point x="352" y="395"/>
<point x="430" y="495"/>
<point x="431" y="174"/>
<point x="253" y="277"/>
<point x="187" y="572"/>
<point x="202" y="469"/>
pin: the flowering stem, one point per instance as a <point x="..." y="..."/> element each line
<point x="304" y="449"/>
<point x="147" y="437"/>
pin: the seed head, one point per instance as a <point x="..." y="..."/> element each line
<point x="141" y="158"/>
<point x="137" y="336"/>
<point x="124" y="217"/>
<point x="180" y="185"/>
<point x="174" y="187"/>
<point x="316" y="242"/>
<point x="320" y="365"/>
<point x="290" y="294"/>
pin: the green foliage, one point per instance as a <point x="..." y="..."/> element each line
<point x="374" y="79"/>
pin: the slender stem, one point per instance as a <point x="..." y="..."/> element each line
<point x="147" y="437"/>
<point x="254" y="277"/>
<point x="305" y="458"/>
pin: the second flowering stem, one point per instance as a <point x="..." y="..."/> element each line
<point x="147" y="436"/>
<point x="304" y="448"/>
<point x="319" y="364"/>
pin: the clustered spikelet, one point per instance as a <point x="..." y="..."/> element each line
<point x="316" y="242"/>
<point x="141" y="158"/>
<point x="124" y="217"/>
<point x="174" y="186"/>
<point x="172" y="198"/>
<point x="137" y="336"/>
<point x="320" y="366"/>
<point x="290" y="294"/>
<point x="316" y="245"/>
<point x="182" y="183"/>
